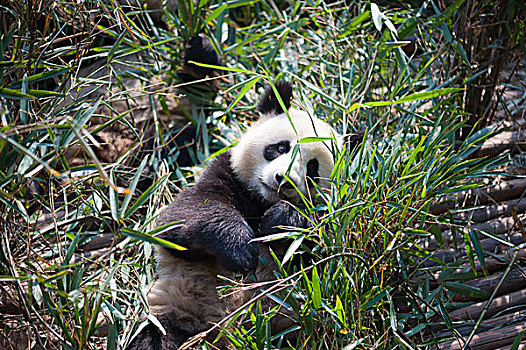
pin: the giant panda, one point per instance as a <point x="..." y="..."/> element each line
<point x="243" y="193"/>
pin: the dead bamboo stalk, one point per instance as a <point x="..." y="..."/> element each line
<point x="97" y="242"/>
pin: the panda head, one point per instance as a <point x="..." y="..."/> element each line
<point x="265" y="160"/>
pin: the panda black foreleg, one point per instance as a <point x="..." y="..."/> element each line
<point x="275" y="220"/>
<point x="151" y="337"/>
<point x="278" y="218"/>
<point x="282" y="214"/>
<point x="212" y="230"/>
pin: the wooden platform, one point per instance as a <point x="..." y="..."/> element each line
<point x="493" y="315"/>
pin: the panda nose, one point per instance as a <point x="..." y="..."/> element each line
<point x="284" y="185"/>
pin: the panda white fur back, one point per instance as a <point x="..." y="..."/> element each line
<point x="236" y="199"/>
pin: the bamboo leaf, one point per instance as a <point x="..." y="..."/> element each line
<point x="466" y="290"/>
<point x="216" y="12"/>
<point x="229" y="69"/>
<point x="517" y="341"/>
<point x="410" y="98"/>
<point x="10" y="93"/>
<point x="247" y="86"/>
<point x="114" y="200"/>
<point x="444" y="16"/>
<point x="45" y="93"/>
<point x="24" y="103"/>
<point x="307" y="283"/>
<point x="355" y="23"/>
<point x="71" y="249"/>
<point x="316" y="289"/>
<point x="145" y="196"/>
<point x="30" y="154"/>
<point x="112" y="336"/>
<point x="133" y="186"/>
<point x="469" y="250"/>
<point x="340" y="311"/>
<point x="39" y="77"/>
<point x="478" y="250"/>
<point x="428" y="95"/>
<point x="445" y="314"/>
<point x="115" y="46"/>
<point x="377" y="16"/>
<point x="142" y="236"/>
<point x="313" y="139"/>
<point x="80" y="119"/>
<point x="292" y="248"/>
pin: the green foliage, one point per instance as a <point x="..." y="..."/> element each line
<point x="348" y="64"/>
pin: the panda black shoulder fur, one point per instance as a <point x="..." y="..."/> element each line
<point x="217" y="218"/>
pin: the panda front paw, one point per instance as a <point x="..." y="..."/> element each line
<point x="282" y="214"/>
<point x="243" y="258"/>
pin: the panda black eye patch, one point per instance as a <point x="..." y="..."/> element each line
<point x="275" y="150"/>
<point x="312" y="169"/>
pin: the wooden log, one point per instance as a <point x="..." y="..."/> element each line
<point x="507" y="140"/>
<point x="488" y="244"/>
<point x="505" y="190"/>
<point x="472" y="312"/>
<point x="489" y="212"/>
<point x="91" y="256"/>
<point x="493" y="265"/>
<point x="101" y="241"/>
<point x="46" y="218"/>
<point x="488" y="340"/>
<point x="497" y="226"/>
<point x="487" y="325"/>
<point x="522" y="346"/>
<point x="515" y="280"/>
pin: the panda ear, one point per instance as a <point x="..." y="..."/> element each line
<point x="354" y="140"/>
<point x="269" y="104"/>
<point x="201" y="50"/>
